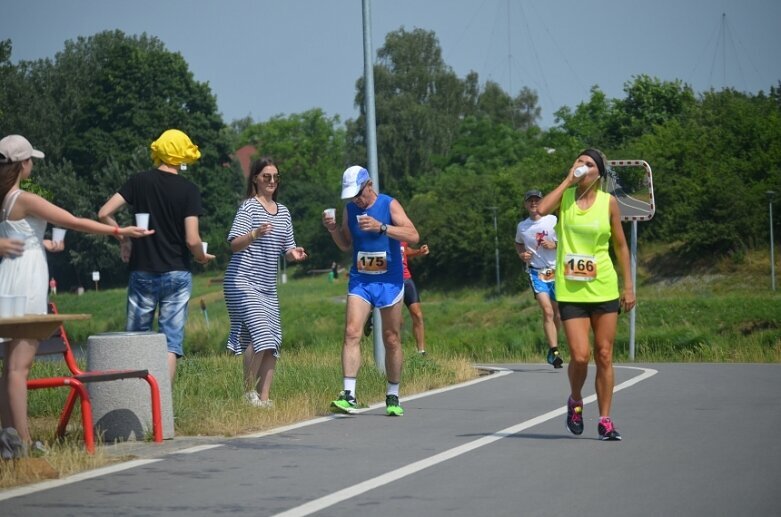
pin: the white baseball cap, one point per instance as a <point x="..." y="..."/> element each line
<point x="16" y="148"/>
<point x="353" y="179"/>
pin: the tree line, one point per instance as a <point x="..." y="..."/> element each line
<point x="453" y="150"/>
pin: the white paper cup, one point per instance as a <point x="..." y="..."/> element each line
<point x="58" y="234"/>
<point x="142" y="221"/>
<point x="205" y="246"/>
<point x="330" y="212"/>
<point x="6" y="306"/>
<point x="19" y="305"/>
<point x="360" y="216"/>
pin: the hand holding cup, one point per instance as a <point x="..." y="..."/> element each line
<point x="142" y="220"/>
<point x="329" y="219"/>
<point x="365" y="222"/>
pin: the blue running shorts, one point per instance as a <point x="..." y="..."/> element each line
<point x="377" y="294"/>
<point x="539" y="285"/>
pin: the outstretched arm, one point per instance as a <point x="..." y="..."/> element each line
<point x="36" y="205"/>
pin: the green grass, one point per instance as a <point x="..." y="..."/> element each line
<point x="719" y="318"/>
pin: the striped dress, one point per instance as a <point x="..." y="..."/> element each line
<point x="250" y="283"/>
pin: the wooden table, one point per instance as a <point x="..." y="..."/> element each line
<point x="35" y="326"/>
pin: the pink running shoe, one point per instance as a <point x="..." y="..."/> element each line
<point x="607" y="430"/>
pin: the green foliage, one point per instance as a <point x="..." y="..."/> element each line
<point x="94" y="110"/>
<point x="712" y="169"/>
<point x="420" y="104"/>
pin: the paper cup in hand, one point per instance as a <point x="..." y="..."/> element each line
<point x="58" y="234"/>
<point x="205" y="246"/>
<point x="142" y="221"/>
<point x="330" y="213"/>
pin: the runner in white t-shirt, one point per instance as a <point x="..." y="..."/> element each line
<point x="535" y="241"/>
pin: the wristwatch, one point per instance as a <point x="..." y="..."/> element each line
<point x="383" y="228"/>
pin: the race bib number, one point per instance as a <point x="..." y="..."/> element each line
<point x="546" y="275"/>
<point x="372" y="262"/>
<point x="582" y="268"/>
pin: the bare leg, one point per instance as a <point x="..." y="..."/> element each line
<point x="577" y="331"/>
<point x="391" y="333"/>
<point x="357" y="312"/>
<point x="20" y="354"/>
<point x="172" y="367"/>
<point x="604" y="334"/>
<point x="251" y="362"/>
<point x="266" y="373"/>
<point x="416" y="313"/>
<point x="550" y="318"/>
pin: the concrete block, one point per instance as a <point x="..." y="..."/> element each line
<point x="122" y="409"/>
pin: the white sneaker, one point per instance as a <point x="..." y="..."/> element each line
<point x="253" y="398"/>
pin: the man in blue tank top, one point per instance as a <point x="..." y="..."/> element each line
<point x="373" y="225"/>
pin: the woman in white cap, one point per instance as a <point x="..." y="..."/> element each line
<point x="24" y="215"/>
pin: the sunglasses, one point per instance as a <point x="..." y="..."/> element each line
<point x="361" y="191"/>
<point x="270" y="177"/>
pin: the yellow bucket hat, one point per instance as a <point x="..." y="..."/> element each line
<point x="174" y="148"/>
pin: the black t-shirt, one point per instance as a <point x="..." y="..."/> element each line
<point x="168" y="199"/>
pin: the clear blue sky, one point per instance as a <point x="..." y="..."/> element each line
<point x="268" y="57"/>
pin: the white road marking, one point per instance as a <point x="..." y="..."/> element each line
<point x="198" y="448"/>
<point x="394" y="475"/>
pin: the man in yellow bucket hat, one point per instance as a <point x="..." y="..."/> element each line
<point x="160" y="275"/>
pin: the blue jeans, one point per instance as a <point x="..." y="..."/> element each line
<point x="171" y="291"/>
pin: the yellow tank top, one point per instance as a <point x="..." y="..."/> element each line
<point x="584" y="270"/>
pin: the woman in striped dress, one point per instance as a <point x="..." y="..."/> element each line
<point x="262" y="231"/>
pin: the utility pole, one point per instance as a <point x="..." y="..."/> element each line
<point x="371" y="144"/>
<point x="496" y="248"/>
<point x="770" y="196"/>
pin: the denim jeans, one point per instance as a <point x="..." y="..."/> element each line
<point x="171" y="292"/>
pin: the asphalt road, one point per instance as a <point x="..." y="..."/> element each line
<point x="699" y="439"/>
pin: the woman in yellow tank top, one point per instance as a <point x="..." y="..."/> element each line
<point x="586" y="282"/>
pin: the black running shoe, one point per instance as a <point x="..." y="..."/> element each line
<point x="554" y="357"/>
<point x="607" y="430"/>
<point x="575" y="416"/>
